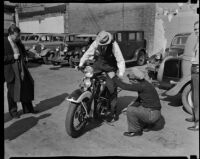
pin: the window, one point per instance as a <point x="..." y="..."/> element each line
<point x="179" y="40"/>
<point x="45" y="38"/>
<point x="139" y="36"/>
<point x="119" y="37"/>
<point x="131" y="36"/>
<point x="33" y="37"/>
<point x="57" y="38"/>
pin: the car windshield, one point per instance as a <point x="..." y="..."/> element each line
<point x="57" y="38"/>
<point x="45" y="38"/>
<point x="33" y="37"/>
<point x="179" y="40"/>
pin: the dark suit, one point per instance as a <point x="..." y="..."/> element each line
<point x="20" y="89"/>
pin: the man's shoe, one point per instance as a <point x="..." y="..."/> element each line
<point x="32" y="112"/>
<point x="194" y="128"/>
<point x="189" y="119"/>
<point x="132" y="134"/>
<point x="15" y="115"/>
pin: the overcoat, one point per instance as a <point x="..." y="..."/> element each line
<point x="18" y="73"/>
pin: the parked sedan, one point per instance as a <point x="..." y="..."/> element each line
<point x="44" y="44"/>
<point x="177" y="45"/>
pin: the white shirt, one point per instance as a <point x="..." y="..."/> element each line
<point x="89" y="54"/>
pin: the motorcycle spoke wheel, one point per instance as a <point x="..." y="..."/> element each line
<point x="79" y="119"/>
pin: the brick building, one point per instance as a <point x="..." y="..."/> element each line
<point x="88" y="18"/>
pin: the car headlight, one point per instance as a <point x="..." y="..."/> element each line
<point x="89" y="71"/>
<point x="34" y="46"/>
<point x="42" y="47"/>
<point x="65" y="49"/>
<point x="57" y="49"/>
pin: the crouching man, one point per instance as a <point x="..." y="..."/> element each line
<point x="145" y="112"/>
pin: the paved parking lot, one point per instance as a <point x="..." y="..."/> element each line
<point x="44" y="134"/>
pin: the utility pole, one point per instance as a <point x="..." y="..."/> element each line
<point x="122" y="16"/>
<point x="17" y="15"/>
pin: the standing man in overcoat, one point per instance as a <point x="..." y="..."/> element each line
<point x="20" y="84"/>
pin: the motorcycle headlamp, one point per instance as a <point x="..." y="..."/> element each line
<point x="88" y="71"/>
<point x="87" y="83"/>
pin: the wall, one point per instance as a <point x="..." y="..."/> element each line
<point x="53" y="24"/>
<point x="110" y="16"/>
<point x="183" y="22"/>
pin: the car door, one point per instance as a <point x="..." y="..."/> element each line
<point x="132" y="45"/>
<point x="121" y="39"/>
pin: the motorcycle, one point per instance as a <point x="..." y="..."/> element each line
<point x="90" y="101"/>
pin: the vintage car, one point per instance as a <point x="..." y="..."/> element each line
<point x="172" y="75"/>
<point x="132" y="45"/>
<point x="77" y="44"/>
<point x="177" y="45"/>
<point x="44" y="44"/>
<point x="24" y="36"/>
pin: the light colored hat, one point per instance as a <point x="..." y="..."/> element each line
<point x="135" y="73"/>
<point x="104" y="38"/>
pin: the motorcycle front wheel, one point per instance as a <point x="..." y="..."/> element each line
<point x="75" y="120"/>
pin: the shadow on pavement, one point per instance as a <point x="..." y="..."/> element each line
<point x="21" y="126"/>
<point x="42" y="105"/>
<point x="33" y="64"/>
<point x="174" y="101"/>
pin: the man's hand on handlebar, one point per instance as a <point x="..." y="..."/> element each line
<point x="78" y="68"/>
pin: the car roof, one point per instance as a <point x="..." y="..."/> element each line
<point x="86" y="35"/>
<point x="114" y="31"/>
<point x="183" y="34"/>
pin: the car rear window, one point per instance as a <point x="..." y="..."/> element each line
<point x="57" y="38"/>
<point x="33" y="37"/>
<point x="139" y="36"/>
<point x="179" y="40"/>
<point x="131" y="36"/>
<point x="45" y="38"/>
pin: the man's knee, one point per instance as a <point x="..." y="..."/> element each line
<point x="131" y="110"/>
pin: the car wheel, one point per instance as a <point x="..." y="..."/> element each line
<point x="141" y="60"/>
<point x="187" y="99"/>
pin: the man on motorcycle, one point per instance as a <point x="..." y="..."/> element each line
<point x="144" y="113"/>
<point x="109" y="60"/>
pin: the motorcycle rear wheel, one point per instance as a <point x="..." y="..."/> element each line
<point x="73" y="112"/>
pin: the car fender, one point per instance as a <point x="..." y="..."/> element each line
<point x="162" y="66"/>
<point x="78" y="95"/>
<point x="179" y="86"/>
<point x="44" y="52"/>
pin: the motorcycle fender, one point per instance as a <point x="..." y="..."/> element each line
<point x="78" y="95"/>
<point x="44" y="52"/>
<point x="176" y="89"/>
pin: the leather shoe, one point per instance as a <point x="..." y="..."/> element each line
<point x="132" y="134"/>
<point x="189" y="119"/>
<point x="32" y="112"/>
<point x="194" y="128"/>
<point x="15" y="115"/>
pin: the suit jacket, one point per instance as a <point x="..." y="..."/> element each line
<point x="23" y="88"/>
<point x="8" y="61"/>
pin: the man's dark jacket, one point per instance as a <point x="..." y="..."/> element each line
<point x="24" y="89"/>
